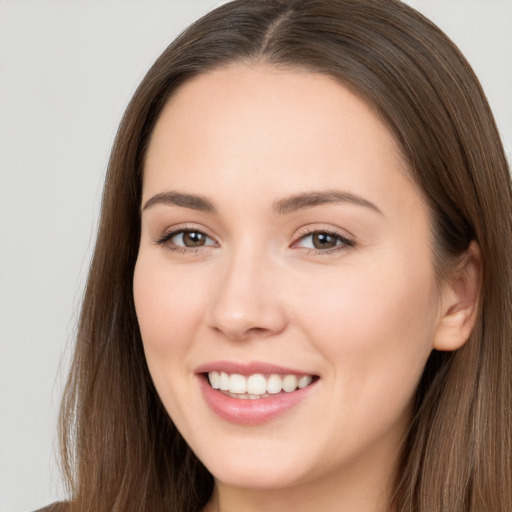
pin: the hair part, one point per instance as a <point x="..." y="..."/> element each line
<point x="121" y="450"/>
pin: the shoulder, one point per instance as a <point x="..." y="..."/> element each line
<point x="55" y="507"/>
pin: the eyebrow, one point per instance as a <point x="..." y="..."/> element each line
<point x="184" y="200"/>
<point x="310" y="199"/>
<point x="282" y="207"/>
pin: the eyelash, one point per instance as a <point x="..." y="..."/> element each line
<point x="166" y="237"/>
<point x="345" y="243"/>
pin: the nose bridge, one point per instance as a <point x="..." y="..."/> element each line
<point x="245" y="303"/>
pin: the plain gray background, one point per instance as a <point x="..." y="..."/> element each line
<point x="67" y="71"/>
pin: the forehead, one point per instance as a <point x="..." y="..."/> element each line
<point x="260" y="128"/>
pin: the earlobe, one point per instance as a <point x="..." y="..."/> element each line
<point x="460" y="302"/>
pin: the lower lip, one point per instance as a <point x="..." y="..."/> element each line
<point x="251" y="412"/>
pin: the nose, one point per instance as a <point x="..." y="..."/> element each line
<point x="246" y="303"/>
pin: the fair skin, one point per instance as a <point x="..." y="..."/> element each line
<point x="343" y="290"/>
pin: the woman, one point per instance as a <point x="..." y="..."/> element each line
<point x="300" y="294"/>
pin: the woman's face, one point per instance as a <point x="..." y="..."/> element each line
<point x="283" y="245"/>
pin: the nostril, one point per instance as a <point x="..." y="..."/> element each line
<point x="257" y="330"/>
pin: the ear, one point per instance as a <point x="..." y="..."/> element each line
<point x="459" y="303"/>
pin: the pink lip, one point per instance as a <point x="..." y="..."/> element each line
<point x="247" y="368"/>
<point x="249" y="412"/>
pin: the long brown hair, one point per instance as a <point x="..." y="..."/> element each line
<point x="121" y="451"/>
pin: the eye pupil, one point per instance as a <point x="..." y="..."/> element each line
<point x="323" y="241"/>
<point x="193" y="239"/>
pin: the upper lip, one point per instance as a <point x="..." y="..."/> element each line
<point x="249" y="368"/>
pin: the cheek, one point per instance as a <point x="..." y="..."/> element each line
<point x="376" y="327"/>
<point x="369" y="303"/>
<point x="169" y="310"/>
<point x="169" y="307"/>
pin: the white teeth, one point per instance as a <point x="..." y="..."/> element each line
<point x="274" y="384"/>
<point x="214" y="378"/>
<point x="290" y="383"/>
<point x="237" y="384"/>
<point x="304" y="381"/>
<point x="257" y="385"/>
<point x="224" y="381"/>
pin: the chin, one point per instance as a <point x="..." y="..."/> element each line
<point x="262" y="468"/>
<point x="261" y="476"/>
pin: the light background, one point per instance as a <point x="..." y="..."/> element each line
<point x="67" y="71"/>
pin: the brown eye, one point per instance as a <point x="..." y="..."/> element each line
<point x="192" y="238"/>
<point x="324" y="241"/>
<point x="184" y="239"/>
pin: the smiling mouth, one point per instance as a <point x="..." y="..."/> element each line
<point x="258" y="385"/>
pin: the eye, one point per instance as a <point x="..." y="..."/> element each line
<point x="323" y="241"/>
<point x="190" y="239"/>
<point x="185" y="239"/>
